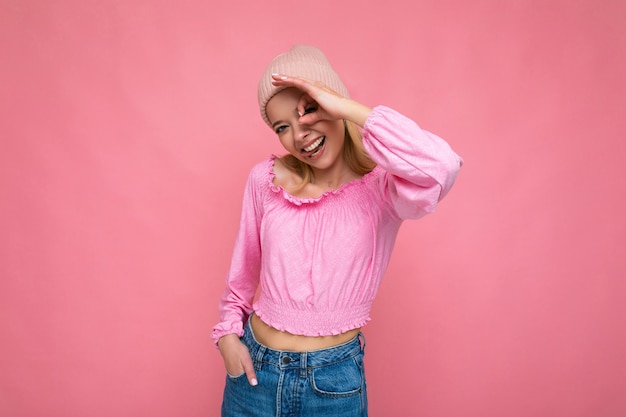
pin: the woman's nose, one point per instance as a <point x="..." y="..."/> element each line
<point x="301" y="131"/>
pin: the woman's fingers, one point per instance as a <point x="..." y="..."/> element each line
<point x="318" y="102"/>
<point x="237" y="357"/>
<point x="305" y="104"/>
<point x="309" y="110"/>
<point x="330" y="105"/>
<point x="303" y="84"/>
<point x="248" y="367"/>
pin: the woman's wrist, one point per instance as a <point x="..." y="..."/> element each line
<point x="357" y="112"/>
<point x="227" y="338"/>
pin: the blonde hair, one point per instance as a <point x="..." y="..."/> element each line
<point x="354" y="155"/>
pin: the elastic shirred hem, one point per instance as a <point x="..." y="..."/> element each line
<point x="312" y="323"/>
<point x="298" y="201"/>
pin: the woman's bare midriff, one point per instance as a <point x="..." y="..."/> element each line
<point x="277" y="340"/>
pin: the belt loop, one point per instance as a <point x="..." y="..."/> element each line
<point x="363" y="341"/>
<point x="258" y="358"/>
<point x="303" y="364"/>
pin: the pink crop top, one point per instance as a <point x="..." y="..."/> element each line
<point x="320" y="261"/>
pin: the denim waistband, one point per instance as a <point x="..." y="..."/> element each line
<point x="287" y="359"/>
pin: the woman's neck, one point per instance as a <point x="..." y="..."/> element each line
<point x="333" y="177"/>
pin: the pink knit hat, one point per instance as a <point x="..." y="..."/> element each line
<point x="303" y="61"/>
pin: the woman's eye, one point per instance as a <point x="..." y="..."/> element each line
<point x="310" y="109"/>
<point x="279" y="129"/>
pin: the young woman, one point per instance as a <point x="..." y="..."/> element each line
<point x="317" y="229"/>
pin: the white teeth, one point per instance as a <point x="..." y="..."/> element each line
<point x="314" y="145"/>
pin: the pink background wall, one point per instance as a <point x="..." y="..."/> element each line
<point x="128" y="128"/>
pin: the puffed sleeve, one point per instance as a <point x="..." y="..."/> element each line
<point x="243" y="276"/>
<point x="420" y="166"/>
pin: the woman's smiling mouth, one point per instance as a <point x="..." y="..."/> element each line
<point x="315" y="146"/>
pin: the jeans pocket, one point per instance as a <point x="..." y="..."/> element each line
<point x="341" y="379"/>
<point x="235" y="377"/>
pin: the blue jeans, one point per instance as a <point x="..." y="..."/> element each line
<point x="326" y="382"/>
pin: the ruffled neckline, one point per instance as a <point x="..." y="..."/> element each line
<point x="301" y="200"/>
